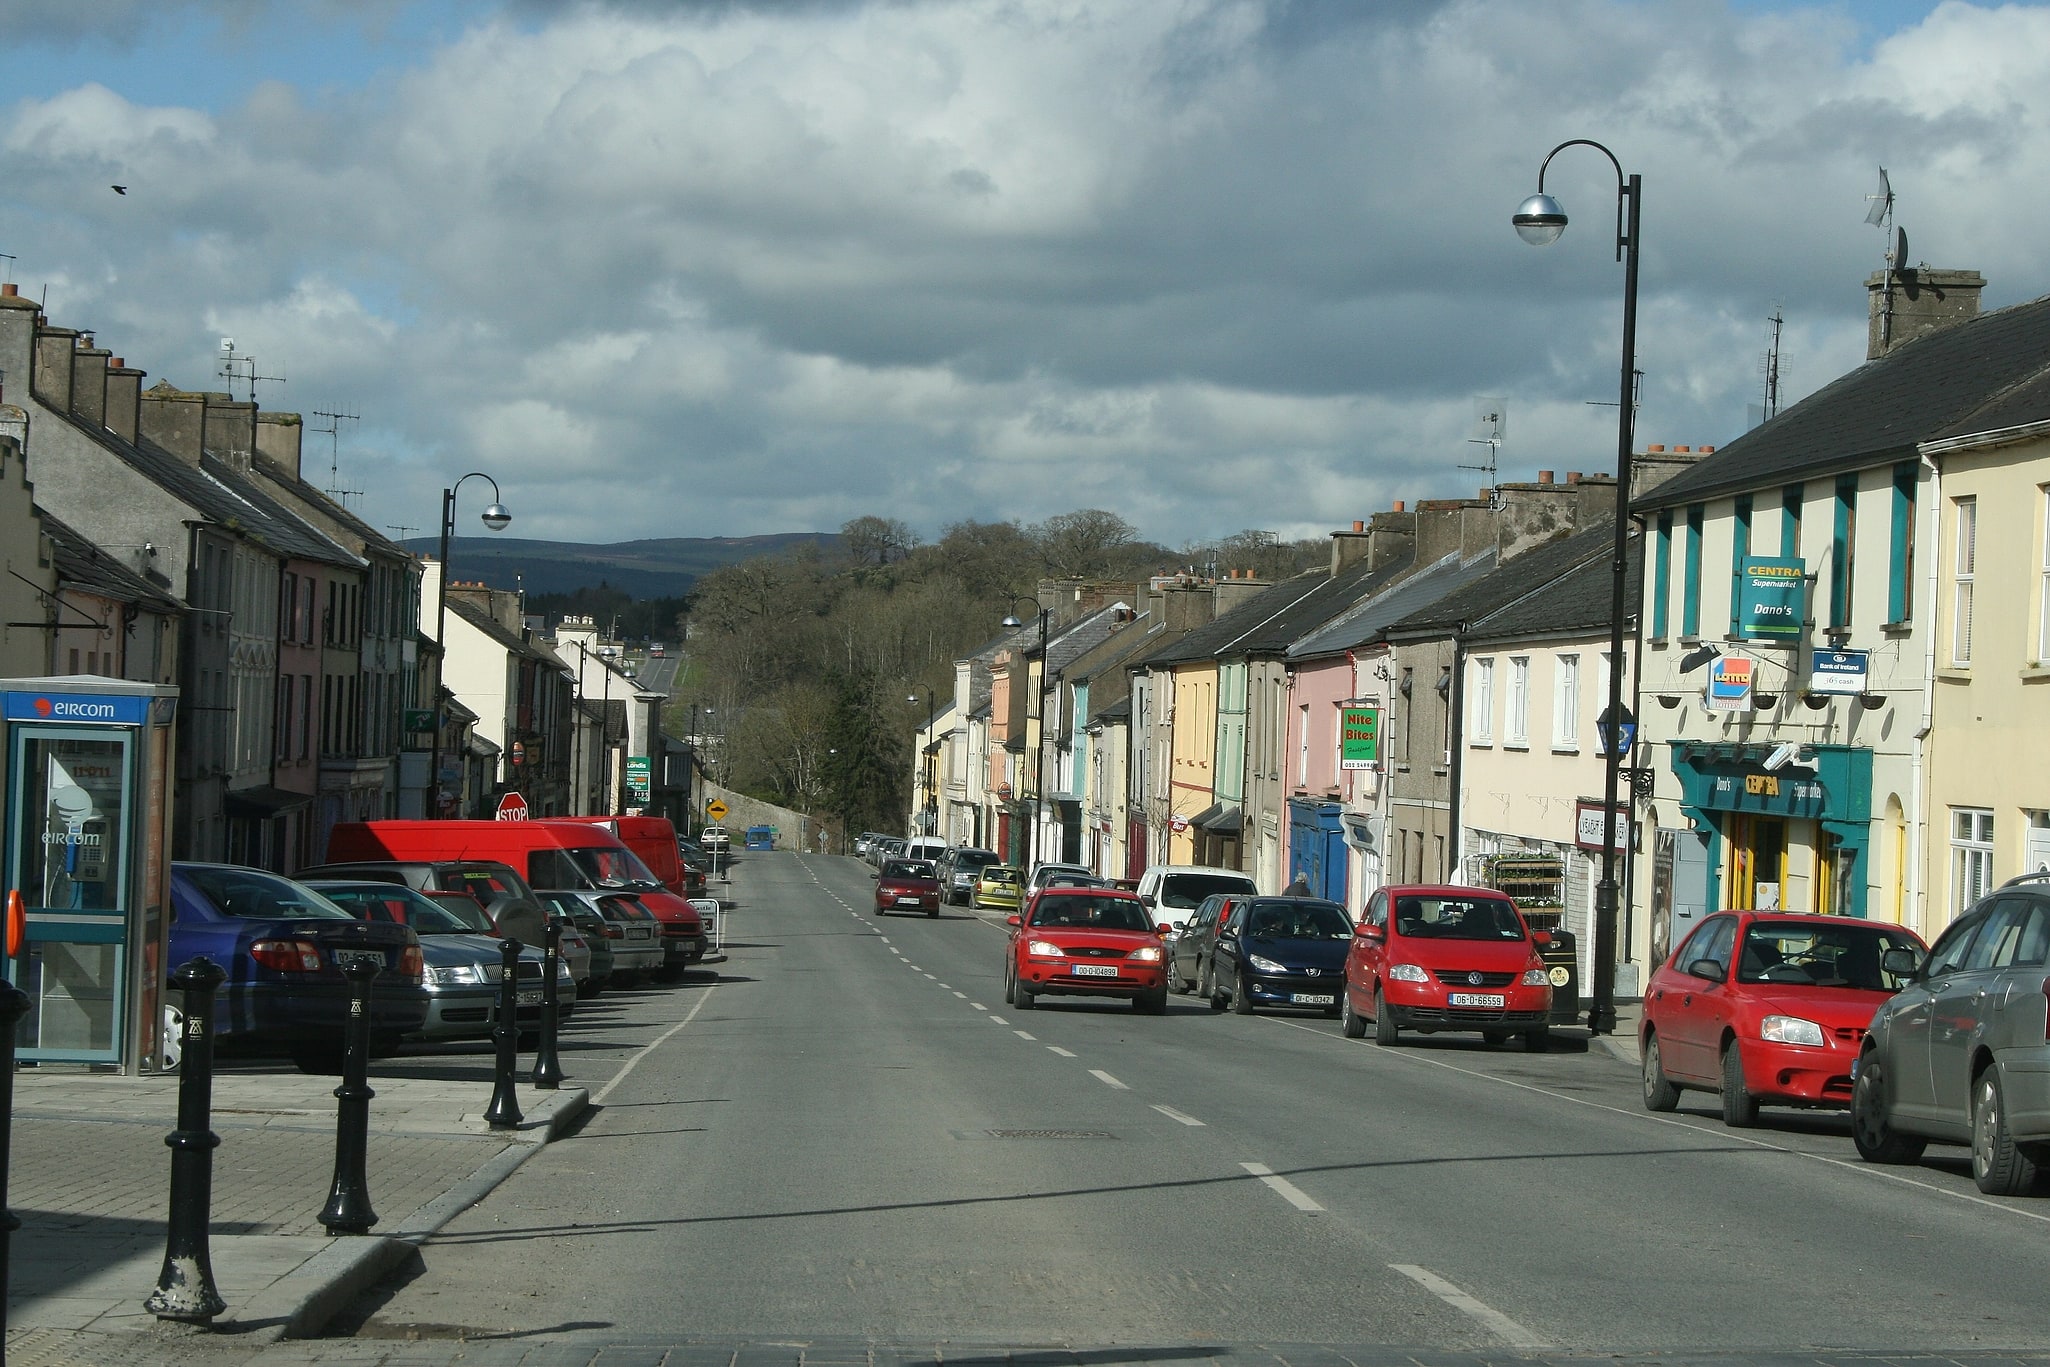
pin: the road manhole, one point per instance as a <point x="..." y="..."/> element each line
<point x="1050" y="1134"/>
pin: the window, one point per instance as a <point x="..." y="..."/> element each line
<point x="1516" y="725"/>
<point x="1965" y="564"/>
<point x="1842" y="548"/>
<point x="1662" y="572"/>
<point x="1900" y="562"/>
<point x="1740" y="549"/>
<point x="1483" y="721"/>
<point x="1690" y="602"/>
<point x="1790" y="520"/>
<point x="1566" y="703"/>
<point x="1950" y="950"/>
<point x="2043" y="581"/>
<point x="1971" y="856"/>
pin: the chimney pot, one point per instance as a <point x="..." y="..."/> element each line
<point x="10" y="291"/>
<point x="1401" y="505"/>
<point x="1704" y="451"/>
<point x="1682" y="450"/>
<point x="1573" y="476"/>
<point x="1358" y="525"/>
<point x="1655" y="446"/>
<point x="1545" y="476"/>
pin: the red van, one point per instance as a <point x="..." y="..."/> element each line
<point x="653" y="838"/>
<point x="553" y="855"/>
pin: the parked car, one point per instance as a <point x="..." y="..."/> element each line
<point x="999" y="887"/>
<point x="1961" y="1054"/>
<point x="925" y="847"/>
<point x="1086" y="942"/>
<point x="571" y="946"/>
<point x="592" y="925"/>
<point x="1047" y="873"/>
<point x="865" y="842"/>
<point x="1279" y="951"/>
<point x="463" y="969"/>
<point x="283" y="947"/>
<point x="1172" y="891"/>
<point x="1428" y="958"/>
<point x="908" y="885"/>
<point x="961" y="870"/>
<point x="1766" y="1006"/>
<point x="714" y="840"/>
<point x="1188" y="949"/>
<point x="497" y="887"/>
<point x="628" y="928"/>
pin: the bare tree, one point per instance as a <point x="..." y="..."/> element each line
<point x="877" y="540"/>
<point x="1089" y="543"/>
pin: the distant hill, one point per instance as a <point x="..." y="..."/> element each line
<point x="664" y="567"/>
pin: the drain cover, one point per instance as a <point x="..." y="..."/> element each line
<point x="1050" y="1134"/>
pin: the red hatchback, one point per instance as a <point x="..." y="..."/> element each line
<point x="908" y="885"/>
<point x="1766" y="1006"/>
<point x="1445" y="958"/>
<point x="1086" y="942"/>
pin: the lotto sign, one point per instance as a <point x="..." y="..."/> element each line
<point x="1359" y="737"/>
<point x="1771" y="599"/>
<point x="1729" y="684"/>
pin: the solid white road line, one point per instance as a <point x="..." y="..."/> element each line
<point x="1509" y="1331"/>
<point x="652" y="1045"/>
<point x="1058" y="1050"/>
<point x="1287" y="1190"/>
<point x="1107" y="1080"/>
<point x="1172" y="1114"/>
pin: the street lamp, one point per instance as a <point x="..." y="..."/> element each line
<point x="928" y="805"/>
<point x="495" y="518"/>
<point x="1033" y="711"/>
<point x="1539" y="221"/>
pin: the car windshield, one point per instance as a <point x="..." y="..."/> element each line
<point x="1298" y="919"/>
<point x="1186" y="891"/>
<point x="261" y="896"/>
<point x="1093" y="913"/>
<point x="1804" y="954"/>
<point x="910" y="868"/>
<point x="1050" y="874"/>
<point x="464" y="908"/>
<point x="614" y="868"/>
<point x="975" y="859"/>
<point x="402" y="906"/>
<point x="1457" y="918"/>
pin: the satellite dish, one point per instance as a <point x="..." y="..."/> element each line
<point x="1882" y="203"/>
<point x="1900" y="249"/>
<point x="1490" y="420"/>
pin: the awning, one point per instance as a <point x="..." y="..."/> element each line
<point x="262" y="801"/>
<point x="1220" y="819"/>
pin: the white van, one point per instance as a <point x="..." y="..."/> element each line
<point x="924" y="847"/>
<point x="1172" y="891"/>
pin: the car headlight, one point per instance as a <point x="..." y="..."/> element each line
<point x="1148" y="954"/>
<point x="562" y="972"/>
<point x="1265" y="965"/>
<point x="1044" y="949"/>
<point x="1536" y="977"/>
<point x="1790" y="1030"/>
<point x="1407" y="973"/>
<point x="455" y="975"/>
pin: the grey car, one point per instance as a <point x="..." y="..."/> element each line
<point x="961" y="869"/>
<point x="1961" y="1055"/>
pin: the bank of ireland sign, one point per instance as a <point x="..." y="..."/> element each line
<point x="1772" y="599"/>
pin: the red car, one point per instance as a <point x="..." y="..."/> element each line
<point x="1086" y="942"/>
<point x="1445" y="958"/>
<point x="908" y="885"/>
<point x="1784" y="1027"/>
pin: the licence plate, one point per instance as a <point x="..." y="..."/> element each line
<point x="1094" y="970"/>
<point x="530" y="997"/>
<point x="345" y="957"/>
<point x="1311" y="999"/>
<point x="1495" y="999"/>
<point x="907" y="901"/>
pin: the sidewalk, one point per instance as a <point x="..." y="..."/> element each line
<point x="90" y="1183"/>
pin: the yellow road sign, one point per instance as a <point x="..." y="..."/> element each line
<point x="716" y="810"/>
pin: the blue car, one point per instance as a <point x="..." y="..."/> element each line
<point x="1280" y="951"/>
<point x="283" y="947"/>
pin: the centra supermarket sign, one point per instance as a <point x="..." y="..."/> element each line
<point x="1772" y="600"/>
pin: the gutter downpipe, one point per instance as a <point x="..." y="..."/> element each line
<point x="1455" y="713"/>
<point x="1919" y="913"/>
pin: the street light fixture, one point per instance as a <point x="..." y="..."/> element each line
<point x="1033" y="712"/>
<point x="1539" y="221"/>
<point x="929" y="802"/>
<point x="496" y="519"/>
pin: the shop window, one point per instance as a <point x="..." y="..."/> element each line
<point x="1971" y="856"/>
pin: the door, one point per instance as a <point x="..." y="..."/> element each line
<point x="1693" y="1006"/>
<point x="1687" y="887"/>
<point x="1758" y="862"/>
<point x="1963" y="1004"/>
<point x="1912" y="1028"/>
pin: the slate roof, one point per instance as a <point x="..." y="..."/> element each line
<point x="1458" y="610"/>
<point x="1367" y="621"/>
<point x="514" y="641"/>
<point x="81" y="564"/>
<point x="1985" y="374"/>
<point x="1121" y="710"/>
<point x="1578" y="601"/>
<point x="1337" y="595"/>
<point x="371" y="538"/>
<point x="1209" y="640"/>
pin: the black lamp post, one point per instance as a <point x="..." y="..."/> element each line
<point x="928" y="803"/>
<point x="1033" y="711"/>
<point x="495" y="518"/>
<point x="1539" y="221"/>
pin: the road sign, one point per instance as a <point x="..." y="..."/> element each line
<point x="716" y="810"/>
<point x="512" y="807"/>
<point x="637" y="779"/>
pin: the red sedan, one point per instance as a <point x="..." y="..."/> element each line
<point x="908" y="885"/>
<point x="1086" y="942"/>
<point x="1766" y="1006"/>
<point x="1429" y="958"/>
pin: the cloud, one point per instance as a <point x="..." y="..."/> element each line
<point x="727" y="268"/>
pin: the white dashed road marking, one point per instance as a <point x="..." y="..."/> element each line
<point x="999" y="1020"/>
<point x="1107" y="1080"/>
<point x="1172" y="1114"/>
<point x="1058" y="1050"/>
<point x="1287" y="1190"/>
<point x="1024" y="1034"/>
<point x="1509" y="1331"/>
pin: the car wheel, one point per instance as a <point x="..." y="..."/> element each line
<point x="934" y="914"/>
<point x="1213" y="993"/>
<point x="318" y="1059"/>
<point x="1538" y="1040"/>
<point x="1350" y="1022"/>
<point x="1242" y="997"/>
<point x="1010" y="987"/>
<point x="1877" y="1141"/>
<point x="1740" y="1108"/>
<point x="1998" y="1164"/>
<point x="1496" y="1037"/>
<point x="1659" y="1092"/>
<point x="1204" y="986"/>
<point x="1151" y="1003"/>
<point x="1021" y="995"/>
<point x="1175" y="981"/>
<point x="1385" y="1031"/>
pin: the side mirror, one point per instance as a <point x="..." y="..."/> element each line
<point x="1147" y="901"/>
<point x="876" y="876"/>
<point x="1164" y="930"/>
<point x="1370" y="931"/>
<point x="1014" y="920"/>
<point x="1706" y="968"/>
<point x="1901" y="963"/>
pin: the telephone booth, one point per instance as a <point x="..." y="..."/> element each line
<point x="87" y="825"/>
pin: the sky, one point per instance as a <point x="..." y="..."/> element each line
<point x="736" y="267"/>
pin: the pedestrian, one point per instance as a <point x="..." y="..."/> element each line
<point x="1300" y="887"/>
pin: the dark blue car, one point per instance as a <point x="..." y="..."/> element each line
<point x="1280" y="951"/>
<point x="283" y="947"/>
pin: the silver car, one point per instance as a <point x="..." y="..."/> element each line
<point x="1961" y="1055"/>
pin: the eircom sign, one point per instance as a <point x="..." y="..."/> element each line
<point x="91" y="709"/>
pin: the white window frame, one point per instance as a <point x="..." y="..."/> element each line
<point x="1964" y="573"/>
<point x="1971" y="856"/>
<point x="1566" y="702"/>
<point x="1483" y="718"/>
<point x="2043" y="579"/>
<point x="1516" y="719"/>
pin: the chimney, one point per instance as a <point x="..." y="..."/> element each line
<point x="1907" y="303"/>
<point x="124" y="399"/>
<point x="174" y="420"/>
<point x="231" y="429"/>
<point x="89" y="384"/>
<point x="55" y="348"/>
<point x="17" y="343"/>
<point x="277" y="439"/>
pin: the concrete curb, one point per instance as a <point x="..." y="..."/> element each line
<point x="299" y="1305"/>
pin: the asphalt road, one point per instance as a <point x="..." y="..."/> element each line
<point x="849" y="1136"/>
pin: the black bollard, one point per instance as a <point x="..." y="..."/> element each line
<point x="348" y="1200"/>
<point x="14" y="1004"/>
<point x="185" y="1287"/>
<point x="547" y="1067"/>
<point x="504" y="1112"/>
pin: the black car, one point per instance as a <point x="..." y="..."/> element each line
<point x="1280" y="951"/>
<point x="1188" y="950"/>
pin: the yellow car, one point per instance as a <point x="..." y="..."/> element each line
<point x="999" y="888"/>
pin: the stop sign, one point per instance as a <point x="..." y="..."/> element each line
<point x="512" y="807"/>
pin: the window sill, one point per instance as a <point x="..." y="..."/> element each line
<point x="2034" y="673"/>
<point x="1516" y="745"/>
<point x="1954" y="674"/>
<point x="1566" y="749"/>
<point x="1896" y="629"/>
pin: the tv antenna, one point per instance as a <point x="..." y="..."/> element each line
<point x="1770" y="368"/>
<point x="1880" y="216"/>
<point x="243" y="368"/>
<point x="333" y="431"/>
<point x="401" y="528"/>
<point x="1490" y="429"/>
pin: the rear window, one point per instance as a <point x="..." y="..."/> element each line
<point x="1297" y="918"/>
<point x="1184" y="891"/>
<point x="910" y="868"/>
<point x="260" y="896"/>
<point x="1095" y="913"/>
<point x="975" y="859"/>
<point x="399" y="906"/>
